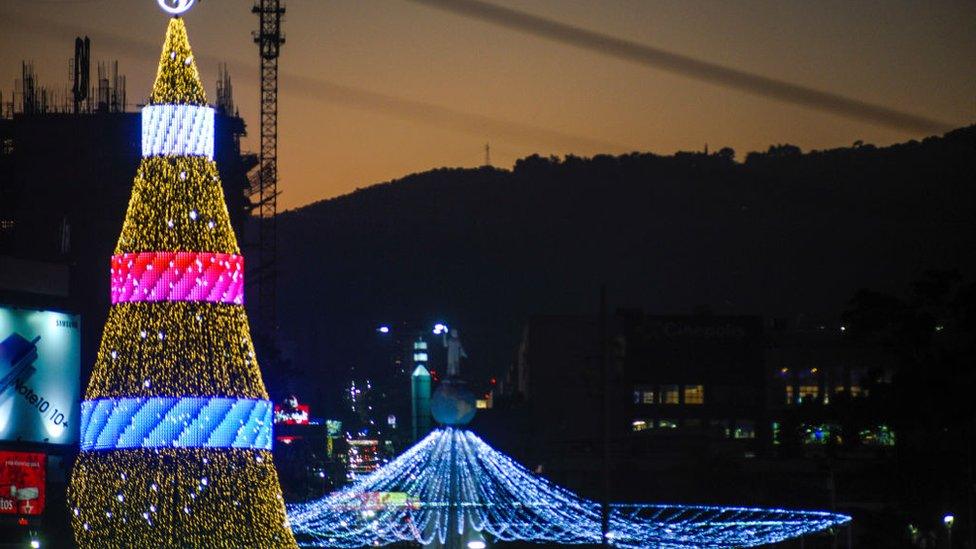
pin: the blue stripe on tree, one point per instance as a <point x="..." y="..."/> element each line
<point x="172" y="422"/>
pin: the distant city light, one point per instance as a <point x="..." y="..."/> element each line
<point x="383" y="329"/>
<point x="948" y="520"/>
<point x="36" y="544"/>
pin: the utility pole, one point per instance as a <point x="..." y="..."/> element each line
<point x="605" y="417"/>
<point x="971" y="488"/>
<point x="269" y="39"/>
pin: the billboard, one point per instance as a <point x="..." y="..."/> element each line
<point x="22" y="483"/>
<point x="40" y="355"/>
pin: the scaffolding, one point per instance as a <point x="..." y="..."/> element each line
<point x="269" y="39"/>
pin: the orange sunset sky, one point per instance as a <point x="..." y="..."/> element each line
<point x="372" y="90"/>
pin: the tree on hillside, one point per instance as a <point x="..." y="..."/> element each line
<point x="931" y="332"/>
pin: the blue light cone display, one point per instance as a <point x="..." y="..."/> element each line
<point x="453" y="479"/>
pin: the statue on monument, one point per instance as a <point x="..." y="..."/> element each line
<point x="455" y="352"/>
<point x="452" y="404"/>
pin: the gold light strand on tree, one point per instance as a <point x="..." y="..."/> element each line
<point x="177" y="204"/>
<point x="177" y="78"/>
<point x="160" y="349"/>
<point x="176" y="498"/>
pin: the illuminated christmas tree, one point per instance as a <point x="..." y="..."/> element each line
<point x="176" y="425"/>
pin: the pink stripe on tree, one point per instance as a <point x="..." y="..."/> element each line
<point x="178" y="276"/>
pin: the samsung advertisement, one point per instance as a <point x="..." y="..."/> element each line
<point x="40" y="354"/>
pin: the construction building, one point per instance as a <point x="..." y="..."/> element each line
<point x="67" y="163"/>
<point x="66" y="172"/>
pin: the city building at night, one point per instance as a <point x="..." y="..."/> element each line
<point x="702" y="407"/>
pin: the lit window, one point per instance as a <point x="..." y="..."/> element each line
<point x="645" y="395"/>
<point x="855" y="391"/>
<point x="744" y="428"/>
<point x="821" y="434"/>
<point x="667" y="424"/>
<point x="669" y="394"/>
<point x="639" y="425"/>
<point x="694" y="394"/>
<point x="809" y="392"/>
<point x="789" y="394"/>
<point x="776" y="433"/>
<point x="420" y="357"/>
<point x="879" y="435"/>
<point x="419" y="345"/>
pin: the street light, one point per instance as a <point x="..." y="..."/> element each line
<point x="948" y="520"/>
<point x="440" y="329"/>
<point x="383" y="329"/>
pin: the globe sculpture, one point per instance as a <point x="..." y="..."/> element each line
<point x="452" y="403"/>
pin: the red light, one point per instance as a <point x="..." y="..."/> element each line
<point x="493" y="381"/>
<point x="22" y="521"/>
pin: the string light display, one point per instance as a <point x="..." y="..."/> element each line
<point x="177" y="79"/>
<point x="171" y="422"/>
<point x="186" y="497"/>
<point x="178" y="276"/>
<point x="176" y="349"/>
<point x="176" y="425"/>
<point x="179" y="130"/>
<point x="453" y="481"/>
<point x="177" y="205"/>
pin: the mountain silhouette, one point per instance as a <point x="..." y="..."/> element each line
<point x="780" y="234"/>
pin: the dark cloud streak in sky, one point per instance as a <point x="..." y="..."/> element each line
<point x="687" y="66"/>
<point x="318" y="89"/>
